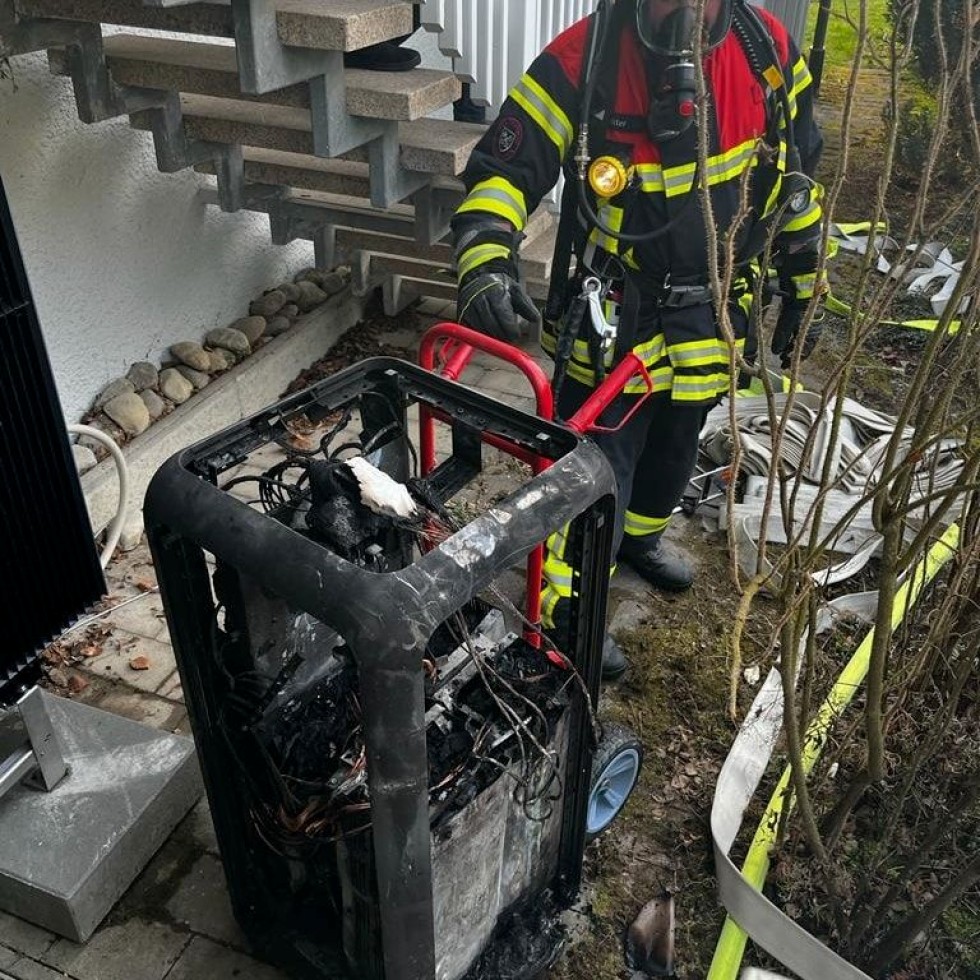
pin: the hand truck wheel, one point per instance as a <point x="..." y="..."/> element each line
<point x="615" y="770"/>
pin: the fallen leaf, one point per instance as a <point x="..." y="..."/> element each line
<point x="142" y="662"/>
<point x="77" y="684"/>
<point x="145" y="584"/>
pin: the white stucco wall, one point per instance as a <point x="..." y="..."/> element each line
<point x="123" y="260"/>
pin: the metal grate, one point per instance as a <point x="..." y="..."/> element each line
<point x="49" y="569"/>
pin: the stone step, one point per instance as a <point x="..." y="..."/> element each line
<point x="341" y="25"/>
<point x="212" y="70"/>
<point x="401" y="288"/>
<point x="431" y="146"/>
<point x="536" y="252"/>
<point x="302" y="171"/>
<point x="374" y="268"/>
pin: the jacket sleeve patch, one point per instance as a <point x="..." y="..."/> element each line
<point x="508" y="138"/>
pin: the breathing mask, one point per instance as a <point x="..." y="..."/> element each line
<point x="668" y="29"/>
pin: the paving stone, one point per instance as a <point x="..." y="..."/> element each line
<point x="143" y="616"/>
<point x="28" y="969"/>
<point x="171" y="689"/>
<point x="198" y="829"/>
<point x="122" y="647"/>
<point x="202" y="904"/>
<point x="204" y="958"/>
<point x="137" y="949"/>
<point x="23" y="937"/>
<point x="165" y="716"/>
<point x="7" y="956"/>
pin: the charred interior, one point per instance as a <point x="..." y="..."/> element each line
<point x="282" y="697"/>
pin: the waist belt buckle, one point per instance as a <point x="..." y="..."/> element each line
<point x="681" y="297"/>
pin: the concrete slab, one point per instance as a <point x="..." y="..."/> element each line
<point x="66" y="856"/>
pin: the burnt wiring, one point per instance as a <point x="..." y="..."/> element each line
<point x="301" y="749"/>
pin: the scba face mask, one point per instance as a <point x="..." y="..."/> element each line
<point x="668" y="27"/>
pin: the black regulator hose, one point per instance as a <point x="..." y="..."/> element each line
<point x="794" y="181"/>
<point x="599" y="39"/>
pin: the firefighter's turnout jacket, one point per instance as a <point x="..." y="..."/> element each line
<point x="519" y="159"/>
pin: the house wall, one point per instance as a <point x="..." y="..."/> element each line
<point x="123" y="260"/>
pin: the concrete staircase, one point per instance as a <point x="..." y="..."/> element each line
<point x="258" y="97"/>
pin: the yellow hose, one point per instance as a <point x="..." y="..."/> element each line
<point x="731" y="943"/>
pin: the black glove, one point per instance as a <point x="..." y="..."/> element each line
<point x="788" y="327"/>
<point x="493" y="301"/>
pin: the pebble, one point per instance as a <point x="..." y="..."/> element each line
<point x="268" y="304"/>
<point x="192" y="354"/>
<point x="290" y="290"/>
<point x="308" y="275"/>
<point x="154" y="404"/>
<point x="290" y="311"/>
<point x="310" y="295"/>
<point x="278" y="325"/>
<point x="252" y="326"/>
<point x="230" y="339"/>
<point x="175" y="386"/>
<point x="128" y="412"/>
<point x="333" y="283"/>
<point x="199" y="379"/>
<point x="143" y="375"/>
<point x="121" y="386"/>
<point x="84" y="457"/>
<point x="106" y="425"/>
<point x="221" y="360"/>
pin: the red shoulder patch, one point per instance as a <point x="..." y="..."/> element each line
<point x="568" y="49"/>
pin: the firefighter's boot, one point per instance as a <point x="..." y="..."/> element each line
<point x="656" y="562"/>
<point x="614" y="662"/>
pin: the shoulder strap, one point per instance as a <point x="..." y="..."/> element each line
<point x="760" y="50"/>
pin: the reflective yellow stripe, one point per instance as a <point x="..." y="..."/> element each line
<point x="543" y="109"/>
<point x="651" y="177"/>
<point x="720" y="167"/>
<point x="802" y="79"/>
<point x="639" y="526"/>
<point x="809" y="217"/>
<point x="500" y="197"/>
<point x="479" y="255"/>
<point x="612" y="218"/>
<point x="698" y="353"/>
<point x="698" y="387"/>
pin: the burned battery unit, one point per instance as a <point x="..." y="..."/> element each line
<point x="398" y="776"/>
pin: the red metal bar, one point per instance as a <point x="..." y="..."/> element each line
<point x="456" y="346"/>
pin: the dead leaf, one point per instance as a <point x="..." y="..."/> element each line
<point x="145" y="584"/>
<point x="77" y="683"/>
<point x="142" y="662"/>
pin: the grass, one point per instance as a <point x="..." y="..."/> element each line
<point x="841" y="41"/>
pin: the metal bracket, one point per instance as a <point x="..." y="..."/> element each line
<point x="434" y="209"/>
<point x="33" y="752"/>
<point x="173" y="149"/>
<point x="336" y="131"/>
<point x="264" y="63"/>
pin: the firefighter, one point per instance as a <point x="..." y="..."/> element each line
<point x="613" y="101"/>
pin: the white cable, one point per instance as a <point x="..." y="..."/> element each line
<point x="115" y="528"/>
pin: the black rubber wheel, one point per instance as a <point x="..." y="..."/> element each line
<point x="615" y="770"/>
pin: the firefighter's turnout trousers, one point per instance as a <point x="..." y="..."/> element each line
<point x="654" y="453"/>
